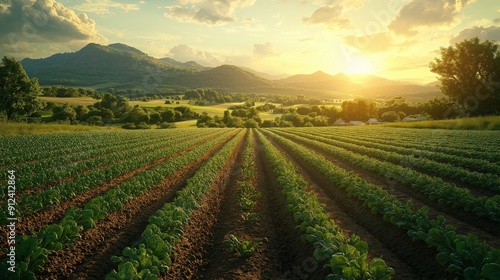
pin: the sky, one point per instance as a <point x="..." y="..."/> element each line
<point x="395" y="39"/>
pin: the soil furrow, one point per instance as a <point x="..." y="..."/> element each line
<point x="35" y="221"/>
<point x="411" y="260"/>
<point x="190" y="250"/>
<point x="221" y="264"/>
<point x="465" y="222"/>
<point x="296" y="257"/>
<point x="90" y="258"/>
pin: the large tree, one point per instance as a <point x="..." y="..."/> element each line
<point x="18" y="93"/>
<point x="470" y="77"/>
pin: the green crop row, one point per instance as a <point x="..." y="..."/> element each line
<point x="18" y="149"/>
<point x="488" y="181"/>
<point x="449" y="145"/>
<point x="101" y="157"/>
<point x="82" y="182"/>
<point x="462" y="255"/>
<point x="151" y="255"/>
<point x="76" y="161"/>
<point x="477" y="165"/>
<point x="54" y="237"/>
<point x="434" y="188"/>
<point x="346" y="256"/>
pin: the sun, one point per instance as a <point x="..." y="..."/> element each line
<point x="359" y="65"/>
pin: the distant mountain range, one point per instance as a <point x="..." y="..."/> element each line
<point x="368" y="86"/>
<point x="122" y="66"/>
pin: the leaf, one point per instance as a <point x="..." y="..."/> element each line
<point x="491" y="271"/>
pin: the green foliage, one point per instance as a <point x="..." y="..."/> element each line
<point x="17" y="91"/>
<point x="359" y="110"/>
<point x="242" y="248"/>
<point x="390" y="116"/>
<point x="470" y="77"/>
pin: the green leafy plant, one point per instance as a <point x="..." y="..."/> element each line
<point x="242" y="248"/>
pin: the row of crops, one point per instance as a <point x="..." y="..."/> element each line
<point x="454" y="169"/>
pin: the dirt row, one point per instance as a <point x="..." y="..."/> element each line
<point x="34" y="222"/>
<point x="202" y="253"/>
<point x="410" y="260"/>
<point x="91" y="256"/>
<point x="475" y="190"/>
<point x="465" y="222"/>
<point x="47" y="185"/>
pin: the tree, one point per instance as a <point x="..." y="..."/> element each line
<point x="359" y="110"/>
<point x="470" y="77"/>
<point x="64" y="113"/>
<point x="391" y="116"/>
<point x="18" y="93"/>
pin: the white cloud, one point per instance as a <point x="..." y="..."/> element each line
<point x="263" y="50"/>
<point x="427" y="13"/>
<point x="217" y="12"/>
<point x="332" y="13"/>
<point x="104" y="7"/>
<point x="27" y="23"/>
<point x="185" y="53"/>
<point x="483" y="33"/>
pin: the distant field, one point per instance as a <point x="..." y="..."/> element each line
<point x="480" y="123"/>
<point x="210" y="109"/>
<point x="11" y="128"/>
<point x="70" y="100"/>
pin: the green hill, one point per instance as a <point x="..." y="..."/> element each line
<point x="96" y="64"/>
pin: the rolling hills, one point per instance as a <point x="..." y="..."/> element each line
<point x="122" y="66"/>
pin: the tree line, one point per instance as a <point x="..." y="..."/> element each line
<point x="469" y="76"/>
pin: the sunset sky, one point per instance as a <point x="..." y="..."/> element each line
<point x="395" y="39"/>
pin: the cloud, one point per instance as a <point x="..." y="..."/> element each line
<point x="426" y="13"/>
<point x="263" y="50"/>
<point x="369" y="44"/>
<point x="24" y="23"/>
<point x="483" y="33"/>
<point x="332" y="13"/>
<point x="217" y="12"/>
<point x="104" y="7"/>
<point x="185" y="53"/>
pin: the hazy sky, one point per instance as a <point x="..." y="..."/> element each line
<point x="395" y="38"/>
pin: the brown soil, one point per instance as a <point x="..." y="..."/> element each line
<point x="32" y="223"/>
<point x="190" y="250"/>
<point x="47" y="185"/>
<point x="90" y="258"/>
<point x="221" y="264"/>
<point x="465" y="222"/>
<point x="410" y="260"/>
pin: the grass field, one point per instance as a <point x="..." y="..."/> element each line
<point x="479" y="123"/>
<point x="217" y="109"/>
<point x="13" y="128"/>
<point x="70" y="100"/>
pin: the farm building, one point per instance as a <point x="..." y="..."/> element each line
<point x="356" y="123"/>
<point x="339" y="122"/>
<point x="373" y="121"/>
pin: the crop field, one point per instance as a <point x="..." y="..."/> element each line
<point x="277" y="203"/>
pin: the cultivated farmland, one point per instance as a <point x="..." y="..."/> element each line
<point x="298" y="203"/>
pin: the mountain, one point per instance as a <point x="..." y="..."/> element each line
<point x="121" y="66"/>
<point x="124" y="47"/>
<point x="223" y="77"/>
<point x="97" y="65"/>
<point x="361" y="85"/>
<point x="264" y="75"/>
<point x="189" y="64"/>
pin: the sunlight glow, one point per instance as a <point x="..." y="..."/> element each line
<point x="359" y="65"/>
